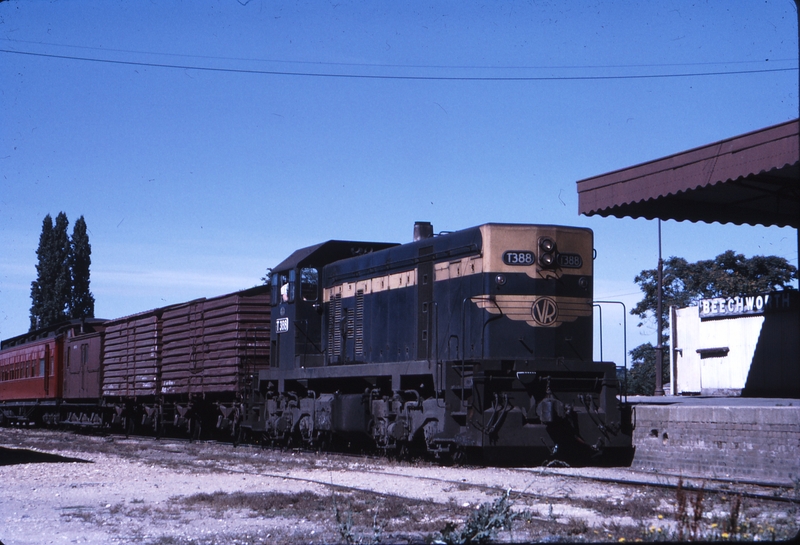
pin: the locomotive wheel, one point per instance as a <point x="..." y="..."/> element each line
<point x="403" y="452"/>
<point x="459" y="456"/>
<point x="324" y="441"/>
<point x="305" y="430"/>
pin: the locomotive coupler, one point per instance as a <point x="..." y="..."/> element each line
<point x="550" y="410"/>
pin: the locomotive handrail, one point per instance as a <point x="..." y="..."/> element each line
<point x="463" y="349"/>
<point x="600" y="309"/>
<point x="486" y="323"/>
<point x="624" y="338"/>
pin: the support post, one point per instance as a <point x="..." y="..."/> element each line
<point x="659" y="391"/>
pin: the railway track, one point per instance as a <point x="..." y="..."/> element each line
<point x="378" y="467"/>
<point x="590" y="502"/>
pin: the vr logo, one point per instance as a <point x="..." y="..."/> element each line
<point x="544" y="311"/>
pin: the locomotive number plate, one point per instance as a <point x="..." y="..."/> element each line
<point x="519" y="257"/>
<point x="282" y="325"/>
<point x="570" y="261"/>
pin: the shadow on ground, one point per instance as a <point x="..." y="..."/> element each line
<point x="14" y="456"/>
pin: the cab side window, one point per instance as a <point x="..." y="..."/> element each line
<point x="309" y="284"/>
<point x="283" y="287"/>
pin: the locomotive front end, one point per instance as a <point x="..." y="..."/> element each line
<point x="525" y="386"/>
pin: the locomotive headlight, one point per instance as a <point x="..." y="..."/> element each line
<point x="500" y="279"/>
<point x="583" y="282"/>
<point x="547" y="255"/>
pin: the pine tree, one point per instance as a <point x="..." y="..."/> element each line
<point x="40" y="288"/>
<point x="82" y="301"/>
<point x="51" y="292"/>
<point x="62" y="288"/>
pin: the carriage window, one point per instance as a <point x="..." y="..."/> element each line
<point x="309" y="283"/>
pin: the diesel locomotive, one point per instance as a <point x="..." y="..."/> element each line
<point x="472" y="343"/>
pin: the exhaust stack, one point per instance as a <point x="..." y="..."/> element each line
<point x="422" y="230"/>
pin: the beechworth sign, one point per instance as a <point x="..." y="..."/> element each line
<point x="747" y="305"/>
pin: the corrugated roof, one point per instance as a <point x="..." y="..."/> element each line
<point x="753" y="178"/>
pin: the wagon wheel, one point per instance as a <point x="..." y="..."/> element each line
<point x="158" y="424"/>
<point x="238" y="434"/>
<point x="196" y="429"/>
<point x="129" y="426"/>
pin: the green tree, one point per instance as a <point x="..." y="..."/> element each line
<point x="51" y="291"/>
<point x="641" y="379"/>
<point x="81" y="301"/>
<point x="61" y="288"/>
<point x="727" y="275"/>
<point x="40" y="288"/>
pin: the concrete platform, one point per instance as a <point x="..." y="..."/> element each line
<point x="731" y="438"/>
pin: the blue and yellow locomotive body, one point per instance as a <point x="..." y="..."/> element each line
<point x="477" y="341"/>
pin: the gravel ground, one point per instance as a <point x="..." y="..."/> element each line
<point x="59" y="487"/>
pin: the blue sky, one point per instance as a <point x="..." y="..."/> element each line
<point x="209" y="139"/>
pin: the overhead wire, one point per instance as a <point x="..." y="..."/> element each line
<point x="395" y="65"/>
<point x="394" y="76"/>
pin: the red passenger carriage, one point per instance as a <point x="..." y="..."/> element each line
<point x="32" y="371"/>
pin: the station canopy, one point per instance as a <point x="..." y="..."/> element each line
<point x="753" y="178"/>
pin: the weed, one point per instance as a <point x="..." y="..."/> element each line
<point x="735" y="520"/>
<point x="482" y="525"/>
<point x="576" y="526"/>
<point x="344" y="524"/>
<point x="734" y="512"/>
<point x="550" y="513"/>
<point x="259" y="502"/>
<point x="688" y="524"/>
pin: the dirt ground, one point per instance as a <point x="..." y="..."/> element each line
<point x="60" y="487"/>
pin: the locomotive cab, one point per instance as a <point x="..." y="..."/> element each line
<point x="297" y="312"/>
<point x="296" y="331"/>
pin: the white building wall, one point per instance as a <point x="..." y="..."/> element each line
<point x="696" y="368"/>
